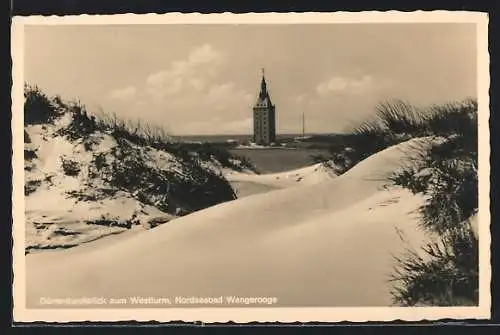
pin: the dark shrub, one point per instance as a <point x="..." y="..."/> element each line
<point x="70" y="167"/>
<point x="31" y="186"/>
<point x="37" y="107"/>
<point x="196" y="188"/>
<point x="29" y="154"/>
<point x="82" y="124"/>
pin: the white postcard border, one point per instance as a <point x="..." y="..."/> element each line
<point x="267" y="314"/>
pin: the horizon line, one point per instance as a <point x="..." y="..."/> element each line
<point x="280" y="134"/>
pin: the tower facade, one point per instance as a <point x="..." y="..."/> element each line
<point x="264" y="117"/>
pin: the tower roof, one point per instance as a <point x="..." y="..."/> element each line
<point x="264" y="100"/>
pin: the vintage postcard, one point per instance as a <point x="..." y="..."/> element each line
<point x="251" y="167"/>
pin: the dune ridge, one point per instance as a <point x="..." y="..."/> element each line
<point x="290" y="243"/>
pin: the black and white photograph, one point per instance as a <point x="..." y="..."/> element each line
<point x="281" y="167"/>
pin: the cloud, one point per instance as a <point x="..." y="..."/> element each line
<point x="198" y="83"/>
<point x="185" y="74"/>
<point x="123" y="93"/>
<point x="203" y="54"/>
<point x="345" y="85"/>
<point x="189" y="95"/>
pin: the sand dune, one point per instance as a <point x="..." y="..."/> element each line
<point x="246" y="184"/>
<point x="327" y="243"/>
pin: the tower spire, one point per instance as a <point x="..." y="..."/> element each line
<point x="263" y="85"/>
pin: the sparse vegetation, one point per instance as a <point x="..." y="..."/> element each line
<point x="445" y="272"/>
<point x="90" y="143"/>
<point x="198" y="186"/>
<point x="110" y="223"/>
<point x="100" y="161"/>
<point x="38" y="108"/>
<point x="82" y="124"/>
<point x="398" y="121"/>
<point x="444" y="169"/>
<point x="93" y="194"/>
<point x="29" y="154"/>
<point x="70" y="167"/>
<point x="135" y="131"/>
<point x="144" y="134"/>
<point x="31" y="186"/>
<point x="219" y="152"/>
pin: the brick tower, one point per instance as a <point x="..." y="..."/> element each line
<point x="264" y="117"/>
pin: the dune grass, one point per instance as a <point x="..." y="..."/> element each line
<point x="444" y="272"/>
<point x="444" y="169"/>
<point x="129" y="171"/>
<point x="144" y="134"/>
<point x="398" y="121"/>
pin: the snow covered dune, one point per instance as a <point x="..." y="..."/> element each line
<point x="327" y="243"/>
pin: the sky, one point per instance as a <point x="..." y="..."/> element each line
<point x="204" y="79"/>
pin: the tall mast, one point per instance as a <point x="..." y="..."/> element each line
<point x="303" y="125"/>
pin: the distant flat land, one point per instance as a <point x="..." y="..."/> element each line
<point x="271" y="160"/>
<point x="278" y="160"/>
<point x="238" y="137"/>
